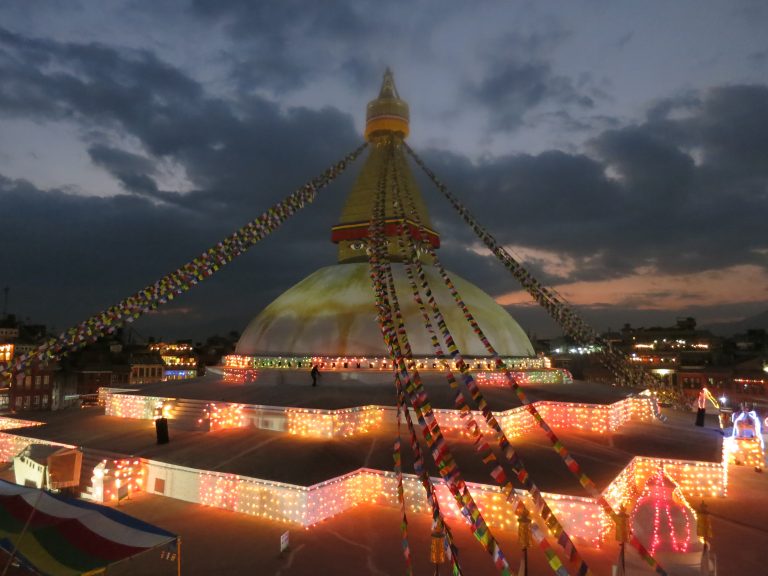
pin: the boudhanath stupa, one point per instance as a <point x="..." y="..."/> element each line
<point x="331" y="313"/>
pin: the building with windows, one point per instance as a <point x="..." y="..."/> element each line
<point x="180" y="359"/>
<point x="35" y="388"/>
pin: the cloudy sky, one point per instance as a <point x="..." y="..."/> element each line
<point x="620" y="149"/>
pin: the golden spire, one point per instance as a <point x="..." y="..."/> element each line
<point x="387" y="113"/>
<point x="386" y="117"/>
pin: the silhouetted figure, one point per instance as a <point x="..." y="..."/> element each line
<point x="314" y="373"/>
<point x="701" y="405"/>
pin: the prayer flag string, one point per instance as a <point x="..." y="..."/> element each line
<point x="557" y="445"/>
<point x="181" y="279"/>
<point x="557" y="307"/>
<point x="396" y="340"/>
<point x="407" y="240"/>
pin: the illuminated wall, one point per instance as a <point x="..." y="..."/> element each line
<point x="115" y="479"/>
<point x="582" y="517"/>
<point x="334" y="423"/>
<point x="598" y="418"/>
<point x="11" y="445"/>
<point x="130" y="406"/>
<point x="320" y="423"/>
<point x="11" y="423"/>
<point x="6" y="352"/>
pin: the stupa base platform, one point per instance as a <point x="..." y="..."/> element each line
<point x="304" y="480"/>
<point x="351" y="388"/>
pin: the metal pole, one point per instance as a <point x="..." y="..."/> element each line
<point x="525" y="561"/>
<point x="621" y="560"/>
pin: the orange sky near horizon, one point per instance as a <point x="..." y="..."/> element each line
<point x="647" y="289"/>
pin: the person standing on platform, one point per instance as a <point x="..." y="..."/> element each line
<point x="314" y="373"/>
<point x="701" y="404"/>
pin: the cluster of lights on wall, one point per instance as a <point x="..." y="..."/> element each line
<point x="131" y="406"/>
<point x="11" y="423"/>
<point x="653" y="359"/>
<point x="11" y="444"/>
<point x="750" y="380"/>
<point x="6" y="352"/>
<point x="537" y="376"/>
<point x="113" y="480"/>
<point x="581" y="350"/>
<point x="225" y="416"/>
<point x="597" y="418"/>
<point x="676" y="345"/>
<point x="175" y="355"/>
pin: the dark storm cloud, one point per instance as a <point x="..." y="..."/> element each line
<point x="282" y="46"/>
<point x="134" y="172"/>
<point x="240" y="156"/>
<point x="512" y="88"/>
<point x="518" y="77"/>
<point x="58" y="275"/>
<point x="684" y="191"/>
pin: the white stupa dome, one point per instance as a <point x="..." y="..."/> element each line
<point x="332" y="313"/>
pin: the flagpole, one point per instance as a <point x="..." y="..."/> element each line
<point x="524" y="535"/>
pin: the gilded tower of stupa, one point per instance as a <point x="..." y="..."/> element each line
<point x="387" y="116"/>
<point x="332" y="312"/>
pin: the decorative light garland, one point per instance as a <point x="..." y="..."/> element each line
<point x="112" y="480"/>
<point x="11" y="423"/>
<point x="655" y="494"/>
<point x="537" y="370"/>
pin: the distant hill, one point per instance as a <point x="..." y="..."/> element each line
<point x="740" y="326"/>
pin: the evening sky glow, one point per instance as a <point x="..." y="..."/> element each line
<point x="619" y="148"/>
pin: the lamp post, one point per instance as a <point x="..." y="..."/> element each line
<point x="437" y="549"/>
<point x="622" y="536"/>
<point x="524" y="535"/>
<point x="704" y="531"/>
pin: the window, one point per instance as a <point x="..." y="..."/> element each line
<point x="46" y="380"/>
<point x="38" y="381"/>
<point x="18" y="402"/>
<point x="26" y="402"/>
<point x="36" y="401"/>
<point x="45" y="401"/>
<point x="28" y="381"/>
